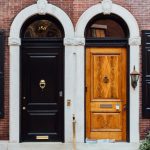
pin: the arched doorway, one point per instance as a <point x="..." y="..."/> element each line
<point x="134" y="40"/>
<point x="106" y="78"/>
<point x="15" y="50"/>
<point x="42" y="80"/>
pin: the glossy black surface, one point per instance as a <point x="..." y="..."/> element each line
<point x="42" y="80"/>
<point x="44" y="108"/>
<point x="146" y="73"/>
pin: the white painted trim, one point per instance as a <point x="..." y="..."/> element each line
<point x="116" y="9"/>
<point x="33" y="10"/>
<point x="134" y="42"/>
<point x="15" y="42"/>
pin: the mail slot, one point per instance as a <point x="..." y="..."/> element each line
<point x="105" y="105"/>
<point x="42" y="137"/>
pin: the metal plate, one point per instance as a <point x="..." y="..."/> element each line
<point x="42" y="137"/>
<point x="105" y="105"/>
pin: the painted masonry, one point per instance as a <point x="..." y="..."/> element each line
<point x="74" y="9"/>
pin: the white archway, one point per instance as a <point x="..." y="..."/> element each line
<point x="42" y="7"/>
<point x="108" y="7"/>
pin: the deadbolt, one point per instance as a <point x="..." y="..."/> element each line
<point x="24" y="108"/>
<point x="24" y="97"/>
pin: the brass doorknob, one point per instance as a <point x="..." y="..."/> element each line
<point x="24" y="108"/>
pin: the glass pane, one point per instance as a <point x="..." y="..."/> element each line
<point x="105" y="28"/>
<point x="42" y="29"/>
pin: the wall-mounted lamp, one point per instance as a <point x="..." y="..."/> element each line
<point x="134" y="77"/>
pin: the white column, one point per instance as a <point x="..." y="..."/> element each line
<point x="14" y="94"/>
<point x="79" y="102"/>
<point x="74" y="87"/>
<point x="134" y="97"/>
<point x="69" y="91"/>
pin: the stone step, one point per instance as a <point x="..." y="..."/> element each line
<point x="61" y="146"/>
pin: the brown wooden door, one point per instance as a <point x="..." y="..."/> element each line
<point x="106" y="93"/>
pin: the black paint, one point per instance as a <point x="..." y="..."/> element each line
<point x="44" y="114"/>
<point x="42" y="59"/>
<point x="146" y="73"/>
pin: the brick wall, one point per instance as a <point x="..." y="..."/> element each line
<point x="74" y="8"/>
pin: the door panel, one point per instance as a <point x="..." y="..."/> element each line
<point x="42" y="117"/>
<point x="105" y="77"/>
<point x="106" y="93"/>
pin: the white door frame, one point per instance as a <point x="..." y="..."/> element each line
<point x="74" y="43"/>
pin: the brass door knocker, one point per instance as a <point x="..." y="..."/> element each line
<point x="105" y="79"/>
<point x="42" y="84"/>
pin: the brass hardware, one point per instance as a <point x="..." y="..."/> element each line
<point x="24" y="97"/>
<point x="105" y="105"/>
<point x="42" y="84"/>
<point x="24" y="108"/>
<point x="42" y="137"/>
<point x="105" y="79"/>
<point x="68" y="102"/>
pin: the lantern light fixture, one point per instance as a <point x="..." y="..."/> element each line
<point x="134" y="77"/>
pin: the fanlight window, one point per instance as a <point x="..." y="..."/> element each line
<point x="103" y="28"/>
<point x="42" y="29"/>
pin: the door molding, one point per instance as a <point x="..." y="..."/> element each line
<point x="15" y="43"/>
<point x="134" y="42"/>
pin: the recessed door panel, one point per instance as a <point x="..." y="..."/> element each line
<point x="43" y="82"/>
<point x="42" y="114"/>
<point x="106" y="93"/>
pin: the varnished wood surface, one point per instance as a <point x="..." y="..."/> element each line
<point x="106" y="91"/>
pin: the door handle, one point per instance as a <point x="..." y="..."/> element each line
<point x="24" y="108"/>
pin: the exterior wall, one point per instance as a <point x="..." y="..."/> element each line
<point x="74" y="9"/>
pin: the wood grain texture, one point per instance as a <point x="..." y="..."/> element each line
<point x="106" y="93"/>
<point x="105" y="76"/>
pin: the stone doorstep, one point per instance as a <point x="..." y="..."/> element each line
<point x="61" y="146"/>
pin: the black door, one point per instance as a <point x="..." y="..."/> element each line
<point x="42" y="101"/>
